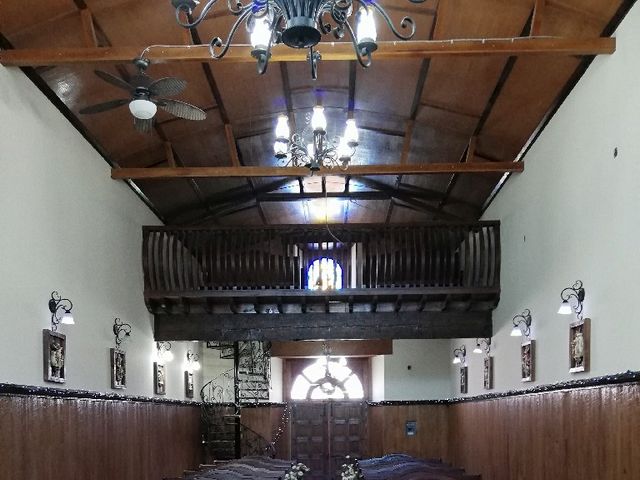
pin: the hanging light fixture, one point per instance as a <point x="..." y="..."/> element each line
<point x="460" y="356"/>
<point x="483" y="345"/>
<point x="60" y="309"/>
<point x="296" y="150"/>
<point x="572" y="298"/>
<point x="522" y="324"/>
<point x="297" y="24"/>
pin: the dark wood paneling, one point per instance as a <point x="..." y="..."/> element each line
<point x="590" y="433"/>
<point x="61" y="438"/>
<point x="266" y="421"/>
<point x="387" y="430"/>
<point x="330" y="326"/>
<point x="355" y="348"/>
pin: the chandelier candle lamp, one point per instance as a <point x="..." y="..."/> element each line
<point x="297" y="24"/>
<point x="299" y="150"/>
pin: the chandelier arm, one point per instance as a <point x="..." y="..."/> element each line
<point x="217" y="41"/>
<point x="363" y="55"/>
<point x="406" y="22"/>
<point x="186" y="9"/>
<point x="236" y="7"/>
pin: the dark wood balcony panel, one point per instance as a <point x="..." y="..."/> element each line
<point x="380" y="263"/>
<point x="311" y="326"/>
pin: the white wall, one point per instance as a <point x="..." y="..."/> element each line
<point x="574" y="214"/>
<point x="428" y="377"/>
<point x="377" y="378"/>
<point x="67" y="226"/>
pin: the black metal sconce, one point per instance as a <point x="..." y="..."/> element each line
<point x="164" y="351"/>
<point x="121" y="331"/>
<point x="572" y="298"/>
<point x="483" y="345"/>
<point x="460" y="355"/>
<point x="192" y="360"/>
<point x="60" y="309"/>
<point x="522" y="324"/>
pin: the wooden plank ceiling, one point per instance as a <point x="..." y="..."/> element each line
<point x="410" y="111"/>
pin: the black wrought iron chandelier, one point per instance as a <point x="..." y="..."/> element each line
<point x="312" y="148"/>
<point x="298" y="24"/>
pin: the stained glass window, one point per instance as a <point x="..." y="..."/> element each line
<point x="324" y="274"/>
<point x="327" y="378"/>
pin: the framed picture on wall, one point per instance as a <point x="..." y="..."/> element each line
<point x="488" y="373"/>
<point x="579" y="345"/>
<point x="464" y="383"/>
<point x="54" y="353"/>
<point x="118" y="368"/>
<point x="528" y="360"/>
<point x="188" y="384"/>
<point x="159" y="379"/>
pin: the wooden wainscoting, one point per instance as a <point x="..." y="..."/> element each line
<point x="386" y="427"/>
<point x="579" y="434"/>
<point x="48" y="438"/>
<point x="265" y="421"/>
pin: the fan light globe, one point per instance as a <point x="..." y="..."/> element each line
<point x="366" y="28"/>
<point x="67" y="319"/>
<point x="260" y="34"/>
<point x="282" y="128"/>
<point x="167" y="356"/>
<point x="477" y="349"/>
<point x="456" y="360"/>
<point x="318" y="120"/>
<point x="516" y="332"/>
<point x="142" y="109"/>
<point x="351" y="133"/>
<point x="565" y="308"/>
<point x="196" y="366"/>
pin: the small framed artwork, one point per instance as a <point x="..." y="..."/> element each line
<point x="54" y="352"/>
<point x="464" y="384"/>
<point x="528" y="360"/>
<point x="579" y="345"/>
<point x="159" y="379"/>
<point x="118" y="369"/>
<point x="188" y="384"/>
<point x="488" y="373"/>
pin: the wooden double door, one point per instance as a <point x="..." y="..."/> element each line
<point x="323" y="433"/>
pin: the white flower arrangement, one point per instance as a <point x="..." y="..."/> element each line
<point x="351" y="470"/>
<point x="296" y="472"/>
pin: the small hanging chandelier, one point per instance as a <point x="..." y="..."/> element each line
<point x="298" y="24"/>
<point x="295" y="150"/>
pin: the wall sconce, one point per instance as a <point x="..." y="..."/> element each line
<point x="121" y="331"/>
<point x="572" y="298"/>
<point x="164" y="351"/>
<point x="192" y="361"/>
<point x="522" y="324"/>
<point x="60" y="309"/>
<point x="460" y="355"/>
<point x="483" y="345"/>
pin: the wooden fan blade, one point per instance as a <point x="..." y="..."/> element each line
<point x="103" y="107"/>
<point x="167" y="87"/>
<point x="181" y="109"/>
<point x="143" y="126"/>
<point x="115" y="81"/>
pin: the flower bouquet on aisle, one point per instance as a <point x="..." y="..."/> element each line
<point x="297" y="471"/>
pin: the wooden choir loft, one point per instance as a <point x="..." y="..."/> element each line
<point x="297" y="239"/>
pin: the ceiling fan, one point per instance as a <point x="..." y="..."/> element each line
<point x="146" y="95"/>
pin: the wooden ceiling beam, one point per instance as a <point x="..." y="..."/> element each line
<point x="354" y="170"/>
<point x="338" y="51"/>
<point x="326" y="326"/>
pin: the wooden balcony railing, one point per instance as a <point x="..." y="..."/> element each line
<point x="203" y="263"/>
